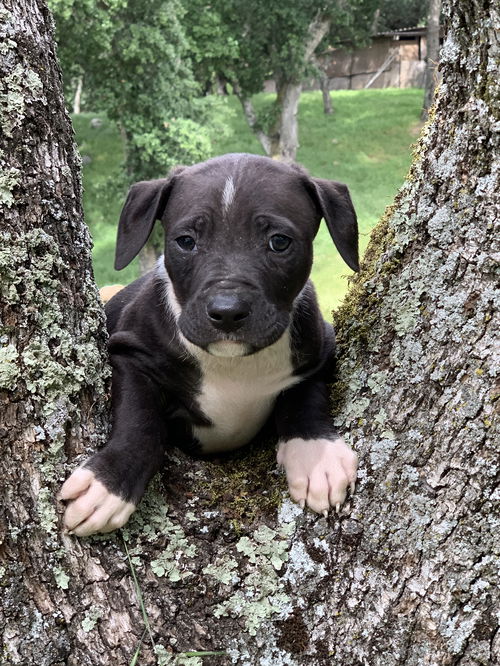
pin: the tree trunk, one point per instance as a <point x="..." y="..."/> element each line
<point x="251" y="118"/>
<point x="285" y="133"/>
<point x="148" y="257"/>
<point x="53" y="379"/>
<point x="282" y="140"/>
<point x="77" y="100"/>
<point x="325" y="92"/>
<point x="324" y="85"/>
<point x="432" y="58"/>
<point x="406" y="574"/>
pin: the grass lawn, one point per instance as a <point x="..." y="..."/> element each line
<point x="365" y="144"/>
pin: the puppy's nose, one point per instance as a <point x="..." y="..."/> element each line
<point x="227" y="311"/>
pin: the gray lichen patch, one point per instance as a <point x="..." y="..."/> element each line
<point x="259" y="592"/>
<point x="58" y="359"/>
<point x="9" y="179"/>
<point x="9" y="364"/>
<point x="91" y="618"/>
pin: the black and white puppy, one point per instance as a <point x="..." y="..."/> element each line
<point x="223" y="337"/>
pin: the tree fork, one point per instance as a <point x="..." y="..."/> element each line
<point x="407" y="573"/>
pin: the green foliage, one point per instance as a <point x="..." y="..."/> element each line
<point x="132" y="55"/>
<point x="397" y="14"/>
<point x="245" y="43"/>
<point x="180" y="141"/>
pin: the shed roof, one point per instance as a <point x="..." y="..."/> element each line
<point x="416" y="31"/>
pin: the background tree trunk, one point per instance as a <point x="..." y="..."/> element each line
<point x="432" y="58"/>
<point x="281" y="141"/>
<point x="406" y="575"/>
<point x="77" y="100"/>
<point x="284" y="134"/>
<point x="325" y="92"/>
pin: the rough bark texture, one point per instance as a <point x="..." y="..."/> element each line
<point x="53" y="392"/>
<point x="408" y="573"/>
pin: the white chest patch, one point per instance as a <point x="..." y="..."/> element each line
<point x="238" y="393"/>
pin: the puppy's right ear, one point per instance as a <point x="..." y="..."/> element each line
<point x="145" y="204"/>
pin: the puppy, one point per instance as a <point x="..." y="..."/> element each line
<point x="223" y="337"/>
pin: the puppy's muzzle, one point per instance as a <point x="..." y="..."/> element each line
<point x="227" y="311"/>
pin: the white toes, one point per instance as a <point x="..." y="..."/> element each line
<point x="93" y="508"/>
<point x="298" y="488"/>
<point x="317" y="496"/>
<point x="76" y="484"/>
<point x="319" y="471"/>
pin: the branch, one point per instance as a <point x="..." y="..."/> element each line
<point x="316" y="31"/>
<point x="251" y="118"/>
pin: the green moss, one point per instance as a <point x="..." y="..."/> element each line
<point x="261" y="594"/>
<point x="168" y="563"/>
<point x="237" y="485"/>
<point x="223" y="571"/>
<point x="18" y="83"/>
<point x="354" y="318"/>
<point x="55" y="363"/>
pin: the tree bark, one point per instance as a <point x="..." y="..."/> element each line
<point x="406" y="575"/>
<point x="53" y="377"/>
<point x="325" y="92"/>
<point x="432" y="58"/>
<point x="324" y="86"/>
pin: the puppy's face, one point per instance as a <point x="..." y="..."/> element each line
<point x="238" y="250"/>
<point x="238" y="244"/>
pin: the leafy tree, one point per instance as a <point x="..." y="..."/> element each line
<point x="397" y="14"/>
<point x="133" y="57"/>
<point x="246" y="43"/>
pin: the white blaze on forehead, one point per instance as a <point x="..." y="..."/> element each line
<point x="228" y="194"/>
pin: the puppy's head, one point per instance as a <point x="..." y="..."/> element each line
<point x="238" y="244"/>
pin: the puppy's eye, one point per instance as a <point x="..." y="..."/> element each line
<point x="279" y="243"/>
<point x="186" y="243"/>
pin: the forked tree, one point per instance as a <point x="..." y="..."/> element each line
<point x="217" y="558"/>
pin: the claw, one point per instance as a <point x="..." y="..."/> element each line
<point x="337" y="507"/>
<point x="353" y="487"/>
<point x="302" y="503"/>
<point x="325" y="513"/>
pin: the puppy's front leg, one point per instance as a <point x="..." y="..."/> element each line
<point x="319" y="465"/>
<point x="105" y="491"/>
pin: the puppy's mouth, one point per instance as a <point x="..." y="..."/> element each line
<point x="229" y="348"/>
<point x="230" y="345"/>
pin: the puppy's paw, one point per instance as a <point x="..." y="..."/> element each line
<point x="92" y="508"/>
<point x="318" y="471"/>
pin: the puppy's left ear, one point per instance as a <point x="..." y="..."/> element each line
<point x="145" y="204"/>
<point x="336" y="207"/>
